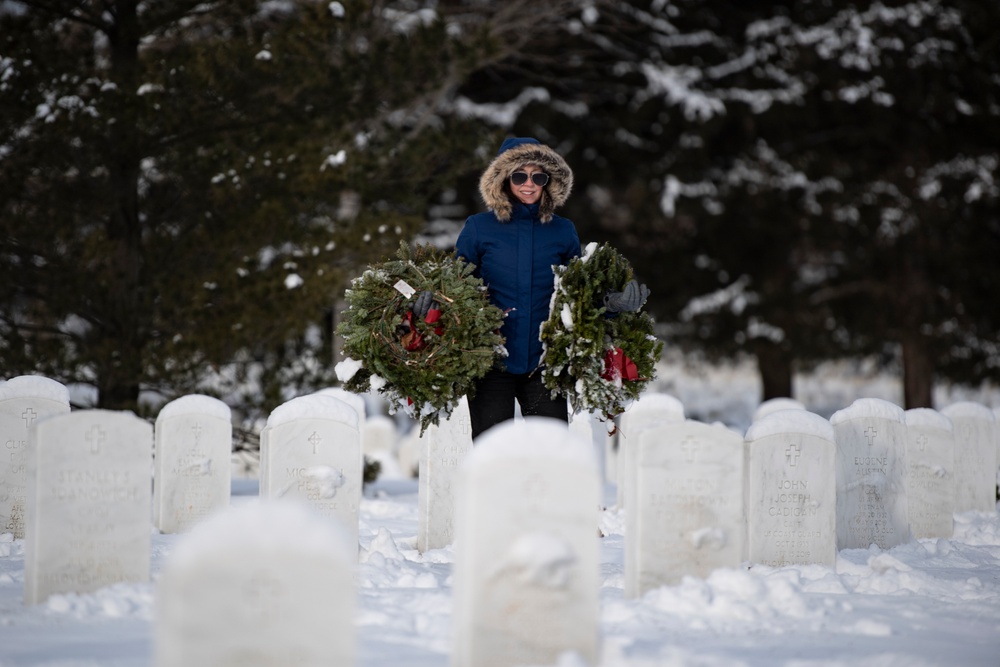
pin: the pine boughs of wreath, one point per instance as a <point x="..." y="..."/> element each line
<point x="579" y="333"/>
<point x="457" y="350"/>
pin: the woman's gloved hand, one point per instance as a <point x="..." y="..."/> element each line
<point x="422" y="304"/>
<point x="629" y="300"/>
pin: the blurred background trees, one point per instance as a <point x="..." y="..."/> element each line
<point x="188" y="187"/>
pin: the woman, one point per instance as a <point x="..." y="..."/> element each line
<point x="514" y="246"/>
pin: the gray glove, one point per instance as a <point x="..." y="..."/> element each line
<point x="629" y="300"/>
<point x="422" y="303"/>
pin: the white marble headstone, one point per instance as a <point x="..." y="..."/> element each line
<point x="775" y="405"/>
<point x="23" y="400"/>
<point x="650" y="409"/>
<point x="356" y="401"/>
<point x="526" y="550"/>
<point x="582" y="424"/>
<point x="996" y="418"/>
<point x="930" y="482"/>
<point x="610" y="455"/>
<point x="792" y="493"/>
<point x="871" y="475"/>
<point x="266" y="583"/>
<point x="194" y="450"/>
<point x="688" y="517"/>
<point x="410" y="447"/>
<point x="310" y="449"/>
<point x="89" y="495"/>
<point x="975" y="456"/>
<point x="379" y="436"/>
<point x="444" y="449"/>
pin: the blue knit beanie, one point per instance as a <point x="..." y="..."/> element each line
<point x="513" y="142"/>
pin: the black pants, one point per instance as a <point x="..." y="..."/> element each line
<point x="497" y="391"/>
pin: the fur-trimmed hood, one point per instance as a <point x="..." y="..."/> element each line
<point x="516" y="153"/>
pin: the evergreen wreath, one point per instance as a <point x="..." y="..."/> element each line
<point x="599" y="361"/>
<point x="422" y="367"/>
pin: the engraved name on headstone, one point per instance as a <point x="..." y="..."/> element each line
<point x="23" y="401"/>
<point x="194" y="449"/>
<point x="688" y="518"/>
<point x="651" y="409"/>
<point x="791" y="499"/>
<point x="311" y="450"/>
<point x="89" y="495"/>
<point x="974" y="427"/>
<point x="930" y="481"/>
<point x="445" y="447"/>
<point x="871" y="475"/>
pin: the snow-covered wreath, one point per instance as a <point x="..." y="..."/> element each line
<point x="423" y="366"/>
<point x="599" y="361"/>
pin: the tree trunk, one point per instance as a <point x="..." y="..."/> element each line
<point x="120" y="375"/>
<point x="918" y="372"/>
<point x="775" y="366"/>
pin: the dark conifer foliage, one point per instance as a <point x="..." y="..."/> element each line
<point x="188" y="186"/>
<point x="796" y="181"/>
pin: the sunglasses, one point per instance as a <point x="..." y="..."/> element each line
<point x="538" y="178"/>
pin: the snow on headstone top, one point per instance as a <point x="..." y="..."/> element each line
<point x="657" y="403"/>
<point x="776" y="404"/>
<point x="263" y="526"/>
<point x="34" y="386"/>
<point x="869" y="407"/>
<point x="356" y="401"/>
<point x="790" y="421"/>
<point x="928" y="418"/>
<point x="197" y="404"/>
<point x="314" y="406"/>
<point x="529" y="438"/>
<point x="968" y="410"/>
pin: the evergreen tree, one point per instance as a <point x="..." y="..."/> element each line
<point x="188" y="187"/>
<point x="786" y="176"/>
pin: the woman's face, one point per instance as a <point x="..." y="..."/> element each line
<point x="528" y="192"/>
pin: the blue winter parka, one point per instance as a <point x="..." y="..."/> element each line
<point x="514" y="259"/>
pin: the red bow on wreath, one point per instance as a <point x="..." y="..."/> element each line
<point x="414" y="340"/>
<point x="617" y="365"/>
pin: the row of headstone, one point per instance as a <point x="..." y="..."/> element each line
<point x="796" y="487"/>
<point x="77" y="485"/>
<point x="271" y="583"/>
<point x="443" y="449"/>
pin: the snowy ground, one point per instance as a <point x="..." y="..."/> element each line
<point x="930" y="602"/>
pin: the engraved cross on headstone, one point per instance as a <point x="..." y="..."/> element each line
<point x="921" y="441"/>
<point x="870" y="433"/>
<point x="792" y="455"/>
<point x="197" y="434"/>
<point x="95" y="436"/>
<point x="29" y="415"/>
<point x="261" y="595"/>
<point x="690" y="447"/>
<point x="533" y="486"/>
<point x="314" y="440"/>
